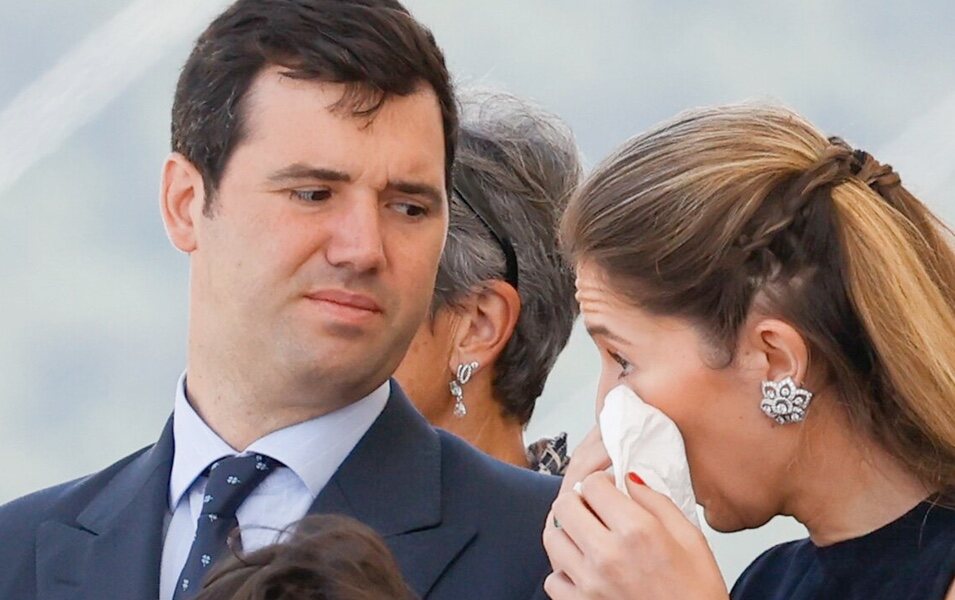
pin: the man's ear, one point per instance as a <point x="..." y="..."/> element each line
<point x="487" y="321"/>
<point x="181" y="201"/>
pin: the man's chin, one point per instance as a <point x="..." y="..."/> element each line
<point x="347" y="376"/>
<point x="348" y="355"/>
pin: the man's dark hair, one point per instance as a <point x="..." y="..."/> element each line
<point x="375" y="47"/>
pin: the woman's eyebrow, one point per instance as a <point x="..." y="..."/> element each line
<point x="602" y="331"/>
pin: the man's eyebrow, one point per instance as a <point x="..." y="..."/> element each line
<point x="433" y="194"/>
<point x="303" y="171"/>
<point x="299" y="171"/>
<point x="602" y="331"/>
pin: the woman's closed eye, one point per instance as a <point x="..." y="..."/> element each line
<point x="626" y="367"/>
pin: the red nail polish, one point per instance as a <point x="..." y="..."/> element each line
<point x="635" y="478"/>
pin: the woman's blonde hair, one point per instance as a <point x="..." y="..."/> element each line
<point x="731" y="206"/>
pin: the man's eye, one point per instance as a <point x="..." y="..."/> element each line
<point x="409" y="209"/>
<point x="311" y="195"/>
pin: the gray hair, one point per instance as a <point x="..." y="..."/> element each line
<point x="524" y="164"/>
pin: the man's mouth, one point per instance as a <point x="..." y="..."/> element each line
<point x="346" y="300"/>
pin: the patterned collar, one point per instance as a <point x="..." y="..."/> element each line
<point x="549" y="455"/>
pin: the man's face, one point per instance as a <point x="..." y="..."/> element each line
<point x="320" y="256"/>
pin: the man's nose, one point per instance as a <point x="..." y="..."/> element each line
<point x="357" y="241"/>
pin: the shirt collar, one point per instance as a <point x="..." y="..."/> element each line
<point x="313" y="449"/>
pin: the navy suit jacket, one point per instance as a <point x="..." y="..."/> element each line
<point x="461" y="525"/>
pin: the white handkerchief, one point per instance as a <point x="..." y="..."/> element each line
<point x="640" y="438"/>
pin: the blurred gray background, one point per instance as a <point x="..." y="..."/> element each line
<point x="93" y="298"/>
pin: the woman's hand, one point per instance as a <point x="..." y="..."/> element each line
<point x="609" y="546"/>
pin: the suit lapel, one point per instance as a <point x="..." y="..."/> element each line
<point x="113" y="549"/>
<point x="391" y="482"/>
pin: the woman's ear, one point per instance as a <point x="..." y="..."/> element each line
<point x="780" y="350"/>
<point x="487" y="321"/>
<point x="181" y="201"/>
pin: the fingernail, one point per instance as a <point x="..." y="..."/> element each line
<point x="635" y="478"/>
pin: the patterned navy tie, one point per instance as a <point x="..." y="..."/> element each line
<point x="231" y="480"/>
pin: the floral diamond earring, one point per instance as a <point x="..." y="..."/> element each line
<point x="784" y="401"/>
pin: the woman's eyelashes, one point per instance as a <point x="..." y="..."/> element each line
<point x="626" y="367"/>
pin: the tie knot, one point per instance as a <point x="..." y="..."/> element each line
<point x="231" y="480"/>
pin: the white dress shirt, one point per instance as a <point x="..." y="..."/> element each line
<point x="311" y="452"/>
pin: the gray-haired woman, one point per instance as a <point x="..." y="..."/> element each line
<point x="504" y="300"/>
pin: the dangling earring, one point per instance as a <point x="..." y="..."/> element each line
<point x="464" y="373"/>
<point x="784" y="401"/>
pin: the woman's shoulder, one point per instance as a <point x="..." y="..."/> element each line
<point x="911" y="557"/>
<point x="776" y="571"/>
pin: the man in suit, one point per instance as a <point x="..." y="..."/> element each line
<point x="312" y="146"/>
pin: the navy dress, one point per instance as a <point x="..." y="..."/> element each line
<point x="911" y="558"/>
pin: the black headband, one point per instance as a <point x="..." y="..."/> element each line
<point x="493" y="225"/>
